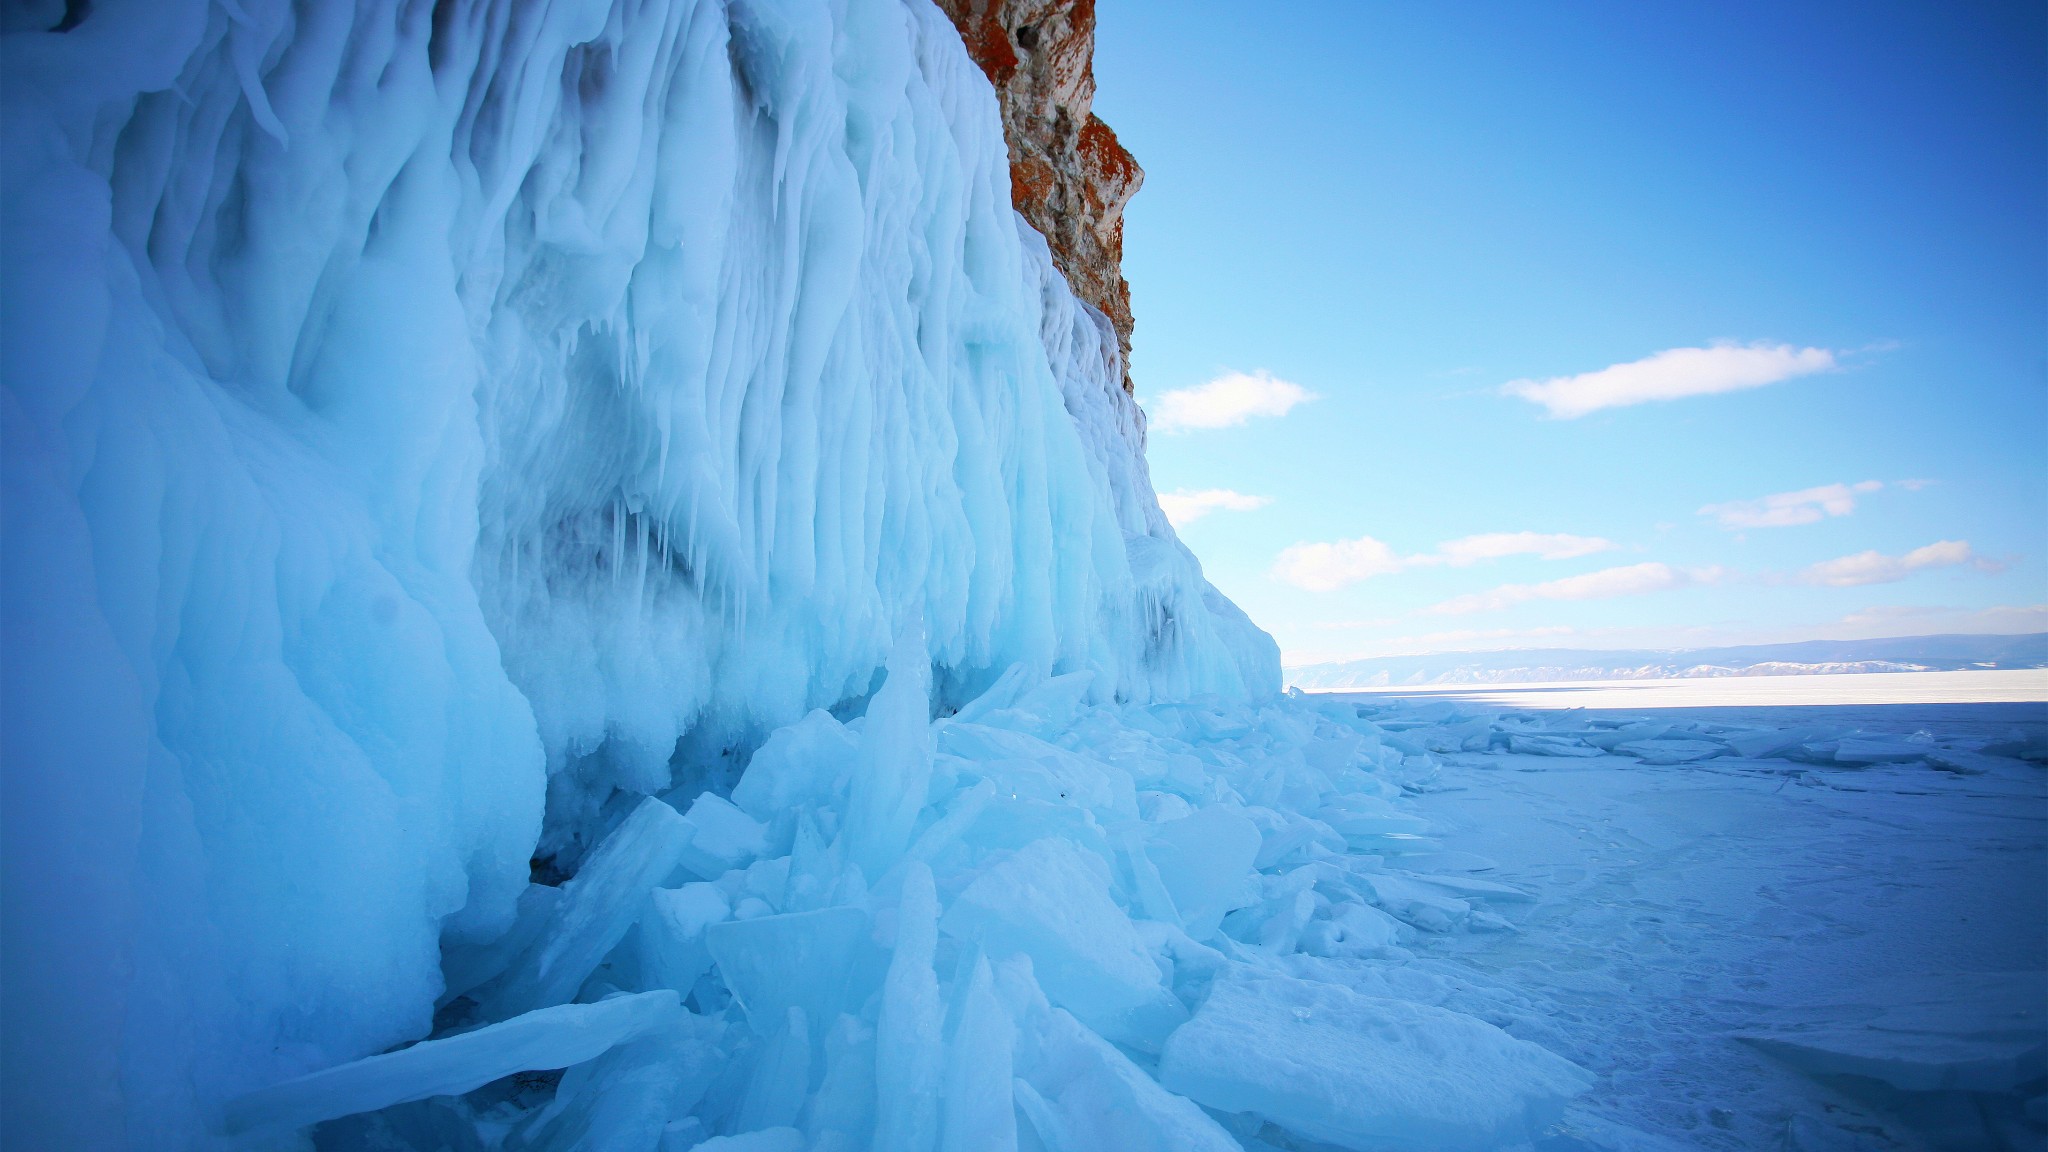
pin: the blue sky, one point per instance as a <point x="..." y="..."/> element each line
<point x="1430" y="219"/>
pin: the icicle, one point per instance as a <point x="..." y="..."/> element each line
<point x="618" y="554"/>
<point x="643" y="535"/>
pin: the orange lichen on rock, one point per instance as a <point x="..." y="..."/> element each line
<point x="1069" y="176"/>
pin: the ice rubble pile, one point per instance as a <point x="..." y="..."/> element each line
<point x="1463" y="729"/>
<point x="423" y="416"/>
<point x="1034" y="923"/>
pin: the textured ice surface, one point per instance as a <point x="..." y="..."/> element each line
<point x="1364" y="1072"/>
<point x="674" y="945"/>
<point x="1978" y="1031"/>
<point x="1762" y="947"/>
<point x="425" y="416"/>
<point x="1088" y="1097"/>
<point x="1051" y="901"/>
<point x="773" y="963"/>
<point x="721" y="837"/>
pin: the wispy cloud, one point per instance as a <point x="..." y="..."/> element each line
<point x="1892" y="613"/>
<point x="1672" y="374"/>
<point x="1354" y="625"/>
<point x="1183" y="506"/>
<point x="1429" y="643"/>
<point x="1464" y="637"/>
<point x="1497" y="545"/>
<point x="1786" y="509"/>
<point x="2006" y="618"/>
<point x="1997" y="618"/>
<point x="1606" y="584"/>
<point x="1228" y="400"/>
<point x="1323" y="567"/>
<point x="1874" y="567"/>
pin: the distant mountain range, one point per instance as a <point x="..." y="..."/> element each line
<point x="1812" y="657"/>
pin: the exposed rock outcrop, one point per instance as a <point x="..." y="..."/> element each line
<point x="1068" y="174"/>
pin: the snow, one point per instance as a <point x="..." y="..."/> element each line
<point x="575" y="579"/>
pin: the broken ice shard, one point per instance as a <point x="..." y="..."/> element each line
<point x="1050" y="902"/>
<point x="554" y="1037"/>
<point x="594" y="911"/>
<point x="1362" y="1072"/>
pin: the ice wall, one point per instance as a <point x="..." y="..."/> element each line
<point x="421" y="417"/>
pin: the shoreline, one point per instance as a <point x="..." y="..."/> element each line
<point x="1998" y="686"/>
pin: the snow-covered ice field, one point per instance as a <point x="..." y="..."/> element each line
<point x="1756" y="951"/>
<point x="2008" y="686"/>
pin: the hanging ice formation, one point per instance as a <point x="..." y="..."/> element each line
<point x="442" y="441"/>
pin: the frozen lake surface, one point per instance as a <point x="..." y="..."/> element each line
<point x="1759" y="952"/>
<point x="2003" y="686"/>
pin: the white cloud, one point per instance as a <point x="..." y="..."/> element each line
<point x="1875" y="567"/>
<point x="1671" y="374"/>
<point x="1184" y="507"/>
<point x="1786" y="509"/>
<point x="1329" y="566"/>
<point x="1323" y="567"/>
<point x="1606" y="584"/>
<point x="1429" y="644"/>
<point x="1496" y="545"/>
<point x="1228" y="400"/>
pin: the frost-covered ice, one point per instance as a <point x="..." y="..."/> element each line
<point x="1769" y="946"/>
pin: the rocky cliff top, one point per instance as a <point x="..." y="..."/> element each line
<point x="1068" y="174"/>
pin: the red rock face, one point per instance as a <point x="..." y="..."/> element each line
<point x="1068" y="174"/>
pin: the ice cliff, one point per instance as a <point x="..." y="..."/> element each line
<point x="431" y="428"/>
